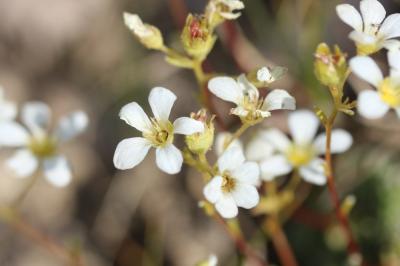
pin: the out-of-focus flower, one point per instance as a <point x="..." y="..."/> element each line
<point x="375" y="104"/>
<point x="211" y="261"/>
<point x="235" y="184"/>
<point x="39" y="147"/>
<point x="149" y="35"/>
<point x="302" y="152"/>
<point x="250" y="107"/>
<point x="8" y="109"/>
<point x="157" y="131"/>
<point x="222" y="139"/>
<point x="371" y="30"/>
<point x="219" y="10"/>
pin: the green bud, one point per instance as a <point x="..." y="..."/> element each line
<point x="200" y="143"/>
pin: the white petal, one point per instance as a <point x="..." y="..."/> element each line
<point x="239" y="111"/>
<point x="72" y="125"/>
<point x="366" y="68"/>
<point x="303" y="126"/>
<point x="226" y="206"/>
<point x="390" y="27"/>
<point x="373" y="13"/>
<point x="223" y="138"/>
<point x="263" y="74"/>
<point x="370" y="105"/>
<point x="394" y="61"/>
<point x="169" y="159"/>
<point x="161" y="101"/>
<point x="187" y="126"/>
<point x="279" y="99"/>
<point x="277" y="139"/>
<point x="349" y="15"/>
<point x="130" y="152"/>
<point x="135" y="24"/>
<point x="212" y="191"/>
<point x="247" y="173"/>
<point x="36" y="116"/>
<point x="133" y="115"/>
<point x="391" y="44"/>
<point x="341" y="141"/>
<point x="231" y="159"/>
<point x="314" y="172"/>
<point x="250" y="90"/>
<point x="226" y="88"/>
<point x="13" y="134"/>
<point x="363" y="38"/>
<point x="274" y="166"/>
<point x="23" y="163"/>
<point x="57" y="171"/>
<point x="258" y="148"/>
<point x="8" y="110"/>
<point x="246" y="196"/>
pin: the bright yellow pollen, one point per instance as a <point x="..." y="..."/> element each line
<point x="299" y="155"/>
<point x="228" y="183"/>
<point x="162" y="134"/>
<point x="43" y="146"/>
<point x="389" y="93"/>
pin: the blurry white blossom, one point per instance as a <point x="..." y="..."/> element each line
<point x="8" y="109"/>
<point x="375" y="104"/>
<point x="37" y="146"/>
<point x="302" y="152"/>
<point x="371" y="30"/>
<point x="157" y="131"/>
<point x="235" y="184"/>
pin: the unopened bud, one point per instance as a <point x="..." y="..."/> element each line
<point x="200" y="143"/>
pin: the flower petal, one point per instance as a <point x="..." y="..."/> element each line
<point x="23" y="163"/>
<point x="130" y="152"/>
<point x="246" y="196"/>
<point x="187" y="126"/>
<point x="231" y="159"/>
<point x="72" y="125"/>
<point x="341" y="141"/>
<point x="314" y="172"/>
<point x="370" y="105"/>
<point x="390" y="27"/>
<point x="349" y="15"/>
<point x="363" y="38"/>
<point x="279" y="99"/>
<point x="394" y="63"/>
<point x="250" y="90"/>
<point x="133" y="115"/>
<point x="8" y="110"/>
<point x="212" y="191"/>
<point x="36" y="116"/>
<point x="57" y="171"/>
<point x="13" y="134"/>
<point x="223" y="138"/>
<point x="258" y="148"/>
<point x="226" y="206"/>
<point x="161" y="101"/>
<point x="303" y="126"/>
<point x="169" y="159"/>
<point x="226" y="88"/>
<point x="366" y="68"/>
<point x="277" y="139"/>
<point x="274" y="166"/>
<point x="373" y="13"/>
<point x="247" y="173"/>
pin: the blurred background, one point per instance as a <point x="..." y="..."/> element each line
<point x="77" y="54"/>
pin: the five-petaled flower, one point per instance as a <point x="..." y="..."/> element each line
<point x="302" y="153"/>
<point x="375" y="104"/>
<point x="158" y="132"/>
<point x="37" y="146"/>
<point x="8" y="109"/>
<point x="371" y="30"/>
<point x="251" y="108"/>
<point x="235" y="184"/>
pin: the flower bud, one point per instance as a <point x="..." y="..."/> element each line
<point x="330" y="68"/>
<point x="219" y="10"/>
<point x="197" y="38"/>
<point x="200" y="143"/>
<point x="148" y="35"/>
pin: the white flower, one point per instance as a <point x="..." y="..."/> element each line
<point x="36" y="145"/>
<point x="235" y="184"/>
<point x="158" y="132"/>
<point x="135" y="24"/>
<point x="264" y="75"/>
<point x="302" y="153"/>
<point x="250" y="106"/>
<point x="375" y="104"/>
<point x="225" y="8"/>
<point x="222" y="139"/>
<point x="371" y="30"/>
<point x="8" y="110"/>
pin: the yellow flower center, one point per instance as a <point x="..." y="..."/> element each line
<point x="299" y="155"/>
<point x="389" y="92"/>
<point x="162" y="133"/>
<point x="367" y="49"/>
<point x="228" y="182"/>
<point x="42" y="146"/>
